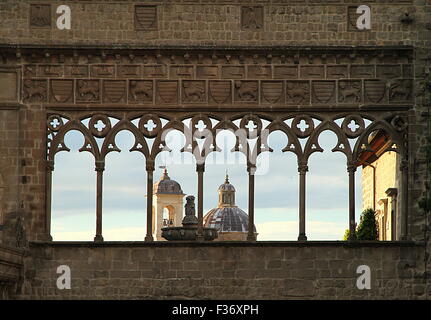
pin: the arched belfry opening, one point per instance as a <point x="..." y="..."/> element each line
<point x="167" y="204"/>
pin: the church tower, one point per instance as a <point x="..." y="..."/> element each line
<point x="167" y="205"/>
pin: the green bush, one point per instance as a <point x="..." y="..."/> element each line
<point x="346" y="235"/>
<point x="367" y="229"/>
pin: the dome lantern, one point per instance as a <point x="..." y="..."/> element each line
<point x="226" y="194"/>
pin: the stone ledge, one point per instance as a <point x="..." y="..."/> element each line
<point x="10" y="106"/>
<point x="347" y="244"/>
<point x="121" y="46"/>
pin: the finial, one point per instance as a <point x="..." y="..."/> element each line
<point x="226" y="178"/>
<point x="165" y="173"/>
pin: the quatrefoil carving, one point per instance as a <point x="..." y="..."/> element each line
<point x="99" y="125"/>
<point x="54" y="123"/>
<point x="150" y="125"/>
<point x="303" y="126"/>
<point x="353" y="126"/>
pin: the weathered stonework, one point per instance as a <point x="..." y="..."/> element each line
<point x="225" y="270"/>
<point x="279" y="58"/>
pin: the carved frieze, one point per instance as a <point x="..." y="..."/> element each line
<point x="272" y="92"/>
<point x="252" y="17"/>
<point x="129" y="71"/>
<point x="193" y="91"/>
<point x="298" y="92"/>
<point x="400" y="90"/>
<point x="388" y="71"/>
<point x="40" y="15"/>
<point x="35" y="91"/>
<point x="141" y="91"/>
<point x="145" y="17"/>
<point x="375" y="91"/>
<point x="362" y="71"/>
<point x="207" y="72"/>
<point x="337" y="72"/>
<point x="88" y="90"/>
<point x="167" y="92"/>
<point x="259" y="72"/>
<point x="181" y="72"/>
<point x="323" y="92"/>
<point x="61" y="91"/>
<point x="349" y="91"/>
<point x="233" y="72"/>
<point x="114" y="91"/>
<point x="246" y="91"/>
<point x="76" y="71"/>
<point x="50" y="70"/>
<point x="205" y="78"/>
<point x="155" y="71"/>
<point x="312" y="72"/>
<point x="102" y="71"/>
<point x="285" y="72"/>
<point x="220" y="92"/>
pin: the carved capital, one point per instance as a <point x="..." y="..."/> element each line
<point x="50" y="165"/>
<point x="302" y="168"/>
<point x="200" y="167"/>
<point x="351" y="168"/>
<point x="150" y="165"/>
<point x="100" y="166"/>
<point x="251" y="168"/>
<point x="392" y="192"/>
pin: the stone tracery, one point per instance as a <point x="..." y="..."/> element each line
<point x="348" y="127"/>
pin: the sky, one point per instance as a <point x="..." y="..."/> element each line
<point x="276" y="189"/>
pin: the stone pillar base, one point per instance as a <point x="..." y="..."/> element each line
<point x="98" y="238"/>
<point x="302" y="237"/>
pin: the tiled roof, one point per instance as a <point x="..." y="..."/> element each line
<point x="227" y="219"/>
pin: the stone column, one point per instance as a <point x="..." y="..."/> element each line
<point x="200" y="168"/>
<point x="404" y="200"/>
<point x="392" y="193"/>
<point x="251" y="171"/>
<point x="150" y="172"/>
<point x="302" y="169"/>
<point x="100" y="167"/>
<point x="352" y="223"/>
<point x="48" y="200"/>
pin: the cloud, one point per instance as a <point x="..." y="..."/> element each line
<point x="275" y="231"/>
<point x="288" y="230"/>
<point x="119" y="234"/>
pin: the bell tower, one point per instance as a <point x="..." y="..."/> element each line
<point x="167" y="205"/>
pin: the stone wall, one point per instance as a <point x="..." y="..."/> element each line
<point x="213" y="271"/>
<point x="182" y="22"/>
<point x="9" y="172"/>
<point x="228" y="270"/>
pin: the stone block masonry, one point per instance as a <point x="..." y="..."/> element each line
<point x="221" y="23"/>
<point x="33" y="48"/>
<point x="229" y="270"/>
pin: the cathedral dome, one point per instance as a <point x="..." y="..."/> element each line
<point x="230" y="221"/>
<point x="167" y="186"/>
<point x="227" y="219"/>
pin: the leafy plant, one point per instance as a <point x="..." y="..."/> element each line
<point x="346" y="235"/>
<point x="367" y="229"/>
